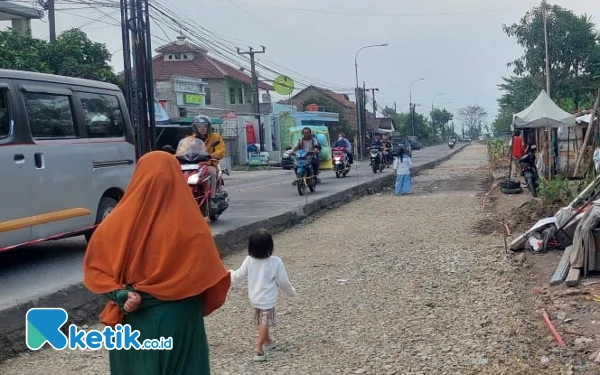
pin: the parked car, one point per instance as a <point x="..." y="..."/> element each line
<point x="414" y="142"/>
<point x="399" y="141"/>
<point x="67" y="154"/>
<point x="287" y="162"/>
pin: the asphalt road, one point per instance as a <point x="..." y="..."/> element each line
<point x="32" y="272"/>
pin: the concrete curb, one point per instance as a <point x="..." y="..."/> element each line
<point x="83" y="306"/>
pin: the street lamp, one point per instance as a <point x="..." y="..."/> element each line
<point x="432" y="99"/>
<point x="412" y="109"/>
<point x="358" y="117"/>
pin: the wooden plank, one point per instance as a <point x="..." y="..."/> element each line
<point x="563" y="267"/>
<point x="573" y="277"/>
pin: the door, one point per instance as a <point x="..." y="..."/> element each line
<point x="15" y="162"/>
<point x="61" y="188"/>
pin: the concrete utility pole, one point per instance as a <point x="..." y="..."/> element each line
<point x="255" y="100"/>
<point x="48" y="6"/>
<point x="374" y="102"/>
<point x="411" y="104"/>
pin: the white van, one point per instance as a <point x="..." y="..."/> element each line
<point x="67" y="154"/>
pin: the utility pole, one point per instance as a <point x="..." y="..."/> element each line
<point x="135" y="33"/>
<point x="544" y="10"/>
<point x="52" y="21"/>
<point x="412" y="117"/>
<point x="374" y="102"/>
<point x="364" y="116"/>
<point x="48" y="6"/>
<point x="395" y="109"/>
<point x="255" y="100"/>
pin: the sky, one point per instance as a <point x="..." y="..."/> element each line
<point x="458" y="46"/>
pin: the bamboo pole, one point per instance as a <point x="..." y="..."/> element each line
<point x="587" y="136"/>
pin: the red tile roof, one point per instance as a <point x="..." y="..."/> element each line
<point x="342" y="99"/>
<point x="202" y="66"/>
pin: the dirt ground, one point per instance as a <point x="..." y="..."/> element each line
<point x="418" y="284"/>
<point x="572" y="310"/>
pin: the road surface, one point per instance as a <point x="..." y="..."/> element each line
<point x="35" y="271"/>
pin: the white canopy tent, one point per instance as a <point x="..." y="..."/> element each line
<point x="543" y="113"/>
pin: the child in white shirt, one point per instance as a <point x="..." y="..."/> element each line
<point x="265" y="274"/>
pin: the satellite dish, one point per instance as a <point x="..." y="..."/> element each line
<point x="283" y="85"/>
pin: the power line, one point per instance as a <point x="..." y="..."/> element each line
<point x="387" y="14"/>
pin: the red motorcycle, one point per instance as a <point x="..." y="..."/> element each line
<point x="195" y="171"/>
<point x="341" y="163"/>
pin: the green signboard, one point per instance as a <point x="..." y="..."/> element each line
<point x="194" y="99"/>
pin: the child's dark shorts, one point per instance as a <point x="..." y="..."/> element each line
<point x="264" y="317"/>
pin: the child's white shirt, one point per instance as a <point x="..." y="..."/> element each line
<point x="402" y="167"/>
<point x="265" y="277"/>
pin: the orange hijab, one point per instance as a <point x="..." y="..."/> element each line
<point x="157" y="241"/>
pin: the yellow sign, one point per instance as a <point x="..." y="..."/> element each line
<point x="195" y="99"/>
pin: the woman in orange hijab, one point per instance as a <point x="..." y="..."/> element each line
<point x="155" y="259"/>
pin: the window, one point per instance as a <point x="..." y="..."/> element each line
<point x="207" y="97"/>
<point x="4" y="115"/>
<point x="232" y="96"/>
<point x="102" y="116"/>
<point x="248" y="94"/>
<point x="182" y="112"/>
<point x="49" y="115"/>
<point x="240" y="95"/>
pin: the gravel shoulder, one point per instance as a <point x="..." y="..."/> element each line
<point x="388" y="285"/>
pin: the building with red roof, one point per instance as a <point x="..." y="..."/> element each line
<point x="187" y="82"/>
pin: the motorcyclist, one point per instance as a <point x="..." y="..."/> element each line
<point x="387" y="149"/>
<point x="376" y="142"/>
<point x="343" y="142"/>
<point x="202" y="127"/>
<point x="309" y="143"/>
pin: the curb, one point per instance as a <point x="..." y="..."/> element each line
<point x="83" y="306"/>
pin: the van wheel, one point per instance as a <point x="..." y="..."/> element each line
<point x="107" y="204"/>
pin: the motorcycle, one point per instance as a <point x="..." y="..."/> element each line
<point x="194" y="166"/>
<point x="529" y="171"/>
<point x="377" y="159"/>
<point x="451" y="144"/>
<point x="341" y="164"/>
<point x="305" y="177"/>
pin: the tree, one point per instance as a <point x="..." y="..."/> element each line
<point x="472" y="118"/>
<point x="439" y="121"/>
<point x="22" y="52"/>
<point x="574" y="55"/>
<point x="502" y="124"/>
<point x="73" y="54"/>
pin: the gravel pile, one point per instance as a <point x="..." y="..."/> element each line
<point x="387" y="285"/>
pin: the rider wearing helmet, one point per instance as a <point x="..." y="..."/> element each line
<point x="202" y="127"/>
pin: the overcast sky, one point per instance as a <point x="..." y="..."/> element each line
<point x="458" y="46"/>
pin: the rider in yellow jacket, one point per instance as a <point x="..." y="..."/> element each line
<point x="202" y="127"/>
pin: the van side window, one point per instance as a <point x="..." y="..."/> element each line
<point x="4" y="115"/>
<point x="102" y="115"/>
<point x="50" y="115"/>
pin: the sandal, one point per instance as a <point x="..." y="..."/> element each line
<point x="260" y="357"/>
<point x="271" y="346"/>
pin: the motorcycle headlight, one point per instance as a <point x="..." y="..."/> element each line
<point x="193" y="179"/>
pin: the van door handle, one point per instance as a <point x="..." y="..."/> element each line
<point x="39" y="160"/>
<point x="19" y="158"/>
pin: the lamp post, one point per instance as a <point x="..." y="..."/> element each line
<point x="412" y="109"/>
<point x="432" y="99"/>
<point x="357" y="95"/>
